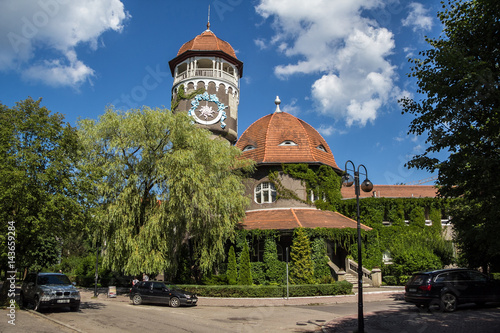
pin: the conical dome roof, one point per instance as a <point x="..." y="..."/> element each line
<point x="283" y="138"/>
<point x="206" y="44"/>
<point x="207" y="41"/>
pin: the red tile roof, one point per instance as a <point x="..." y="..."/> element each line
<point x="207" y="41"/>
<point x="291" y="218"/>
<point x="393" y="191"/>
<point x="267" y="133"/>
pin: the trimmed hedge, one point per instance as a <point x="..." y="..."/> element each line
<point x="337" y="288"/>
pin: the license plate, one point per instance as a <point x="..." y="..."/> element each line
<point x="412" y="290"/>
<point x="63" y="301"/>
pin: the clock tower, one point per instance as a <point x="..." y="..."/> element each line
<point x="206" y="84"/>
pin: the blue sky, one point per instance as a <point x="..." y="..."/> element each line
<point x="339" y="65"/>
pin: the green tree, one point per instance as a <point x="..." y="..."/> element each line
<point x="274" y="267"/>
<point x="417" y="217"/>
<point x="302" y="268"/>
<point x="245" y="276"/>
<point x="161" y="183"/>
<point x="39" y="197"/>
<point x="232" y="267"/>
<point x="458" y="78"/>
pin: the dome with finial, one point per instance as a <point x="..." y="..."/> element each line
<point x="283" y="138"/>
<point x="207" y="41"/>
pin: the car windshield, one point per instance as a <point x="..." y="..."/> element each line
<point x="53" y="279"/>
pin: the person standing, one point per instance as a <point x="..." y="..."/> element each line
<point x="145" y="277"/>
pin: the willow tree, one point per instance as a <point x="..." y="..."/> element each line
<point x="161" y="184"/>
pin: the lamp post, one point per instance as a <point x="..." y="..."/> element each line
<point x="366" y="186"/>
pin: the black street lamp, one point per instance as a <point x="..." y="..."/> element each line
<point x="366" y="186"/>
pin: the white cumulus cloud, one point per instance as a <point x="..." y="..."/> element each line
<point x="39" y="37"/>
<point x="348" y="52"/>
<point x="418" y="18"/>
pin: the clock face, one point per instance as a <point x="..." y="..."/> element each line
<point x="208" y="110"/>
<point x="207" y="113"/>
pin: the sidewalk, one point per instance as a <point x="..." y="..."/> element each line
<point x="369" y="294"/>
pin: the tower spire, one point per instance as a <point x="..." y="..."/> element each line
<point x="208" y="23"/>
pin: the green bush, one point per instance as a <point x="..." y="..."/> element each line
<point x="337" y="288"/>
<point x="273" y="267"/>
<point x="258" y="273"/>
<point x="390" y="280"/>
<point x="245" y="276"/>
<point x="403" y="279"/>
<point x="302" y="269"/>
<point x="232" y="269"/>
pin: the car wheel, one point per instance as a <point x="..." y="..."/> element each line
<point x="75" y="308"/>
<point x="174" y="302"/>
<point x="448" y="302"/>
<point x="37" y="304"/>
<point x="137" y="299"/>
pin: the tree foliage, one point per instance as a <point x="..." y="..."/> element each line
<point x="274" y="267"/>
<point x="458" y="78"/>
<point x="302" y="268"/>
<point x="245" y="272"/>
<point x="38" y="182"/>
<point x="232" y="267"/>
<point x="161" y="183"/>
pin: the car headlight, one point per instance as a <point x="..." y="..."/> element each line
<point x="188" y="296"/>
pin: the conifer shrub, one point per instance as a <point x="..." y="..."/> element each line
<point x="245" y="276"/>
<point x="302" y="268"/>
<point x="232" y="269"/>
<point x="274" y="268"/>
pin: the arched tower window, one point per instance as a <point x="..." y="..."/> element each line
<point x="265" y="193"/>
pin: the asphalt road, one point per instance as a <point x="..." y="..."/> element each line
<point x="382" y="313"/>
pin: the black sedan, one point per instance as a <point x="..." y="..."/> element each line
<point x="448" y="288"/>
<point x="158" y="292"/>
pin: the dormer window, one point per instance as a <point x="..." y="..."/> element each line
<point x="249" y="147"/>
<point x="288" y="143"/>
<point x="265" y="193"/>
<point x="321" y="147"/>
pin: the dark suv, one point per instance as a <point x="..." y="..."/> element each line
<point x="447" y="288"/>
<point x="158" y="292"/>
<point x="49" y="290"/>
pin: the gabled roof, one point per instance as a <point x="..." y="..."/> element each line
<point x="283" y="138"/>
<point x="393" y="191"/>
<point x="291" y="218"/>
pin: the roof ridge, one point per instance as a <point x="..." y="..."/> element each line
<point x="296" y="218"/>
<point x="308" y="138"/>
<point x="267" y="136"/>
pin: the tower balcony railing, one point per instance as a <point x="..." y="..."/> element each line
<point x="202" y="73"/>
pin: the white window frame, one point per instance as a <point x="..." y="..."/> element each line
<point x="265" y="192"/>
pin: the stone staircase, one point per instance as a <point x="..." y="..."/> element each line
<point x="353" y="278"/>
<point x="351" y="274"/>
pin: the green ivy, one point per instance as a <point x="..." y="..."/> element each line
<point x="182" y="95"/>
<point x="323" y="181"/>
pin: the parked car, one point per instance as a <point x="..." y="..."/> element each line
<point x="448" y="288"/>
<point x="49" y="290"/>
<point x="158" y="292"/>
